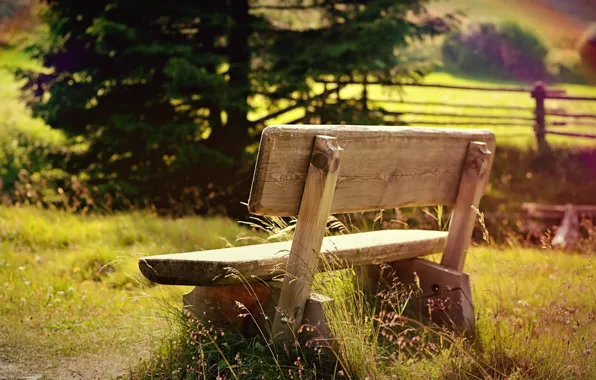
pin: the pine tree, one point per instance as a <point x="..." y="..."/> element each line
<point x="160" y="91"/>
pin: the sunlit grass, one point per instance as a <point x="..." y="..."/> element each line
<point x="70" y="283"/>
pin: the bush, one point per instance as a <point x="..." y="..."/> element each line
<point x="566" y="66"/>
<point x="504" y="51"/>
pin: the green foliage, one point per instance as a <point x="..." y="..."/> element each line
<point x="160" y="93"/>
<point x="25" y="143"/>
<point x="505" y="51"/>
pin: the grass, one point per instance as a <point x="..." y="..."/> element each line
<point x="73" y="299"/>
<point x="70" y="284"/>
<point x="72" y="289"/>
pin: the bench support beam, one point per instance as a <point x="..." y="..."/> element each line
<point x="471" y="187"/>
<point x="308" y="237"/>
<point x="441" y="295"/>
<point x="249" y="308"/>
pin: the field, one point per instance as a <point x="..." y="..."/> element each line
<point x="73" y="301"/>
<point x="74" y="305"/>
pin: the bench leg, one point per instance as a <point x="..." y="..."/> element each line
<point x="220" y="305"/>
<point x="444" y="296"/>
<point x="235" y="306"/>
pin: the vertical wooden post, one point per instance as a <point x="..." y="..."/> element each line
<point x="539" y="95"/>
<point x="308" y="237"/>
<point x="474" y="177"/>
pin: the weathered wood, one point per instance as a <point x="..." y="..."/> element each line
<point x="421" y="122"/>
<point x="458" y="115"/>
<point x="572" y="115"/>
<point x="458" y="105"/>
<point x="473" y="180"/>
<point x="250" y="309"/>
<point x="304" y="256"/>
<point x="573" y="134"/>
<point x="444" y="86"/>
<point x="563" y="97"/>
<point x="315" y="330"/>
<point x="539" y="94"/>
<point x="440" y="294"/>
<point x="537" y="210"/>
<point x="568" y="232"/>
<point x="266" y="261"/>
<point x="383" y="167"/>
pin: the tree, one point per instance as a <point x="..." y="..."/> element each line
<point x="160" y="93"/>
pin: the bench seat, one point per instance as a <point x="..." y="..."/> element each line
<point x="265" y="261"/>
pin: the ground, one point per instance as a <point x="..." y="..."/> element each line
<point x="67" y="315"/>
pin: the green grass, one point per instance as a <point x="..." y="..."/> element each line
<point x="71" y="289"/>
<point x="70" y="284"/>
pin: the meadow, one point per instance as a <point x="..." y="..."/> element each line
<point x="73" y="302"/>
<point x="74" y="305"/>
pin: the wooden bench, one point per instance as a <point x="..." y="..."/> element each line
<point x="313" y="171"/>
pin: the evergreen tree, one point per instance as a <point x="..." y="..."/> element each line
<point x="160" y="92"/>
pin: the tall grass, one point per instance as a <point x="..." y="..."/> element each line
<point x="374" y="337"/>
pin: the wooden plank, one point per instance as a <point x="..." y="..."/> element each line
<point x="573" y="115"/>
<point x="464" y="115"/>
<point x="420" y="122"/>
<point x="568" y="232"/>
<point x="572" y="134"/>
<point x="537" y="210"/>
<point x="266" y="261"/>
<point x="310" y="229"/>
<point x="471" y="188"/>
<point x="444" y="86"/>
<point x="563" y="97"/>
<point x="382" y="167"/>
<point x="457" y="105"/>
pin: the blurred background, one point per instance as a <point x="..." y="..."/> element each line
<point x="112" y="106"/>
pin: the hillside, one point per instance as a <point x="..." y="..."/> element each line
<point x="559" y="21"/>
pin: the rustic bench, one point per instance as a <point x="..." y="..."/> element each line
<point x="313" y="171"/>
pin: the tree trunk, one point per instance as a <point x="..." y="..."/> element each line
<point x="232" y="138"/>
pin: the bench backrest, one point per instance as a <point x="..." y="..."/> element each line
<point x="381" y="167"/>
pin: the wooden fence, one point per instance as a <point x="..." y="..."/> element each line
<point x="540" y="116"/>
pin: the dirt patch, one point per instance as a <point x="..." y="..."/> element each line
<point x="88" y="367"/>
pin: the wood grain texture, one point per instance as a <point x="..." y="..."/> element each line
<point x="474" y="177"/>
<point x="310" y="229"/>
<point x="266" y="261"/>
<point x="382" y="167"/>
<point x="444" y="295"/>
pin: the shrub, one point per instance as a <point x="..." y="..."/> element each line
<point x="26" y="172"/>
<point x="505" y="51"/>
<point x="566" y="66"/>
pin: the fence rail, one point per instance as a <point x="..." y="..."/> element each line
<point x="539" y="117"/>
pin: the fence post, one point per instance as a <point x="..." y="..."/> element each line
<point x="539" y="95"/>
